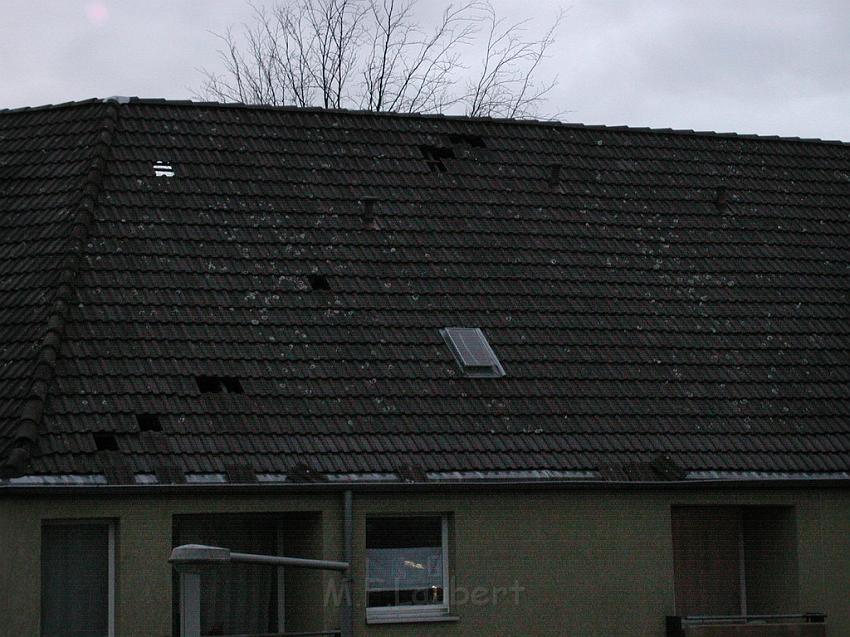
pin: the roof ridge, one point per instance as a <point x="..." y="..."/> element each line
<point x="154" y="101"/>
<point x="20" y="451"/>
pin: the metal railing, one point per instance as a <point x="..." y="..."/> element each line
<point x="190" y="559"/>
<point x="676" y="624"/>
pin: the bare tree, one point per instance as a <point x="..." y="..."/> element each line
<point x="373" y="54"/>
<point x="506" y="85"/>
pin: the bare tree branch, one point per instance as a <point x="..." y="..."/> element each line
<point x="506" y="85"/>
<point x="374" y="54"/>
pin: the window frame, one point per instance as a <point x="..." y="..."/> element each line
<point x="112" y="570"/>
<point x="415" y="613"/>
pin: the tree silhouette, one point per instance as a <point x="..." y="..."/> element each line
<point x="374" y="55"/>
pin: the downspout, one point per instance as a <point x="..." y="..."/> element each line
<point x="346" y="615"/>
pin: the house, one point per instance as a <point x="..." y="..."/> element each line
<point x="525" y="378"/>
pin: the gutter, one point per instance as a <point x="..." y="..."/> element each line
<point x="443" y="487"/>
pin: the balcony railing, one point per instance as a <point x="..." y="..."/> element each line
<point x="325" y="633"/>
<point x="796" y="625"/>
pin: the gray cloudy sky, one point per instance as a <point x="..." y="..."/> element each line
<point x="750" y="66"/>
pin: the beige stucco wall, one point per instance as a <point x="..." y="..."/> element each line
<point x="586" y="563"/>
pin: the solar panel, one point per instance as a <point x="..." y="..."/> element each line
<point x="472" y="351"/>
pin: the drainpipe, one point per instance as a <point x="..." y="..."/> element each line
<point x="346" y="615"/>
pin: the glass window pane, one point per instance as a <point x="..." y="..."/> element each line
<point x="405" y="561"/>
<point x="75" y="580"/>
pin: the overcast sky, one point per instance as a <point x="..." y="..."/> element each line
<point x="750" y="66"/>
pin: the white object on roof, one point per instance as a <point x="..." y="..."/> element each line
<point x="472" y="352"/>
<point x="161" y="169"/>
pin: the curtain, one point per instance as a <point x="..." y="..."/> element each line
<point x="237" y="598"/>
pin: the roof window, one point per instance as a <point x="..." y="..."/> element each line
<point x="472" y="352"/>
<point x="218" y="385"/>
<point x="434" y="156"/>
<point x="318" y="282"/>
<point x="148" y="422"/>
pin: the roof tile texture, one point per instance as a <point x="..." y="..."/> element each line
<point x="636" y="313"/>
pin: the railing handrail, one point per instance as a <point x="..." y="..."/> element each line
<point x="809" y="617"/>
<point x="321" y="633"/>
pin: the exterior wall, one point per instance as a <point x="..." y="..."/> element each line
<point x="581" y="562"/>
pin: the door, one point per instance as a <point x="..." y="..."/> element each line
<point x="707" y="560"/>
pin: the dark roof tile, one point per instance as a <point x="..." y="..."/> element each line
<point x="632" y="314"/>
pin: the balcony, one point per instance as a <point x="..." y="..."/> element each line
<point x="804" y="625"/>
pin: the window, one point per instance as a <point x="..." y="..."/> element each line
<point x="472" y="352"/>
<point x="78" y="579"/>
<point x="731" y="560"/>
<point x="407" y="568"/>
<point x="240" y="598"/>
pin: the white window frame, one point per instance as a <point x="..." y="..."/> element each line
<point x="111" y="564"/>
<point x="281" y="584"/>
<point x="422" y="612"/>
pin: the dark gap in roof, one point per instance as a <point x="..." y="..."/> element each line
<point x="105" y="442"/>
<point x="367" y="219"/>
<point x="218" y="385"/>
<point x="434" y="156"/>
<point x="318" y="282"/>
<point x="468" y="141"/>
<point x="554" y="175"/>
<point x="721" y="197"/>
<point x="148" y="422"/>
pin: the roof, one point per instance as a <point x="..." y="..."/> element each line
<point x="663" y="303"/>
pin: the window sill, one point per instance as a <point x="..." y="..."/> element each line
<point x="411" y="619"/>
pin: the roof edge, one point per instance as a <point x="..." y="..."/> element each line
<point x="19" y="452"/>
<point x="486" y="486"/>
<point x="153" y="101"/>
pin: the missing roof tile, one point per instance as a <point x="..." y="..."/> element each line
<point x="105" y="442"/>
<point x="318" y="282"/>
<point x="367" y="218"/>
<point x="467" y="141"/>
<point x="554" y="175"/>
<point x="218" y="385"/>
<point x="148" y="422"/>
<point x="435" y="156"/>
<point x="472" y="352"/>
<point x="721" y="198"/>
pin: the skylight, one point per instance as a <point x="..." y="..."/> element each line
<point x="472" y="352"/>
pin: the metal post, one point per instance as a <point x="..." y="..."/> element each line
<point x="346" y="614"/>
<point x="190" y="604"/>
